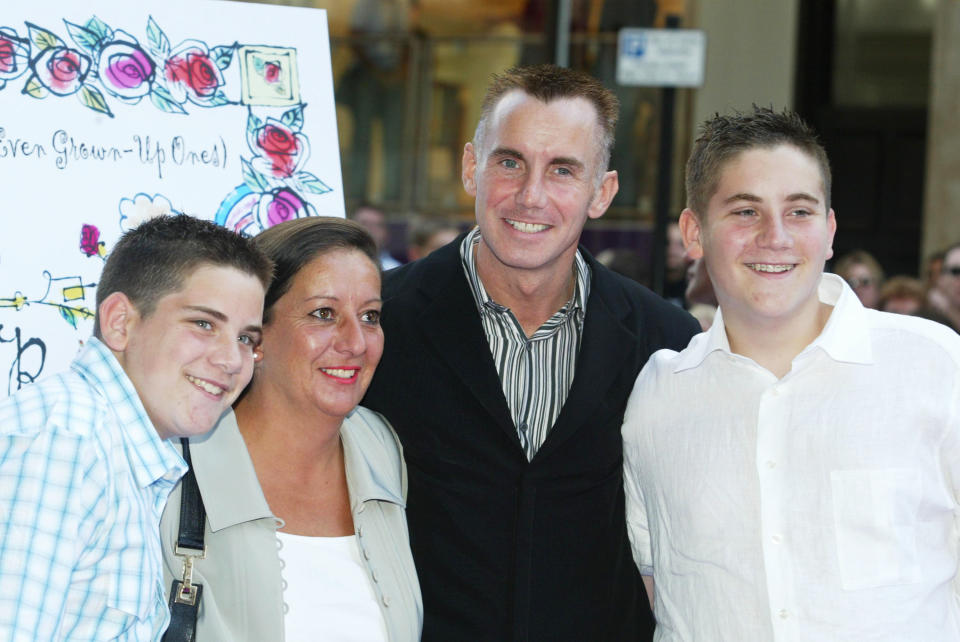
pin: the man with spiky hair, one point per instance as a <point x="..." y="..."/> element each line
<point x="510" y="353"/>
<point x="793" y="474"/>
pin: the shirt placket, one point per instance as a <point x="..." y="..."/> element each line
<point x="773" y="416"/>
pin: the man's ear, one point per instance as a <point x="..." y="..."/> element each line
<point x="609" y="187"/>
<point x="831" y="230"/>
<point x="468" y="171"/>
<point x="117" y="316"/>
<point x="690" y="230"/>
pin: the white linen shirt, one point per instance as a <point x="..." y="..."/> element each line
<point x="820" y="506"/>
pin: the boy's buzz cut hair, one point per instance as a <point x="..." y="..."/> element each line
<point x="724" y="137"/>
<point x="156" y="258"/>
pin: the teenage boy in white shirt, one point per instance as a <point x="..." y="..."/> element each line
<point x="793" y="474"/>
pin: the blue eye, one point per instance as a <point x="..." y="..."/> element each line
<point x="203" y="324"/>
<point x="510" y="163"/>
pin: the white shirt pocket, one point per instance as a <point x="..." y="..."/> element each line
<point x="875" y="516"/>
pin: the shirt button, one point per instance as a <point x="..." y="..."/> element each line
<point x="366" y="555"/>
<point x="771" y="464"/>
<point x="777" y="539"/>
<point x="362" y="506"/>
<point x="375" y="575"/>
<point x="386" y="600"/>
<point x="783" y="614"/>
<point x="360" y="530"/>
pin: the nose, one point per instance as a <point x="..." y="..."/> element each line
<point x="350" y="337"/>
<point x="533" y="193"/>
<point x="774" y="233"/>
<point x="229" y="355"/>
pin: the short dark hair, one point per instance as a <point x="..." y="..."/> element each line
<point x="156" y="258"/>
<point x="293" y="244"/>
<point x="724" y="137"/>
<point x="547" y="83"/>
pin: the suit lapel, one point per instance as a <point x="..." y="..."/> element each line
<point x="604" y="350"/>
<point x="450" y="323"/>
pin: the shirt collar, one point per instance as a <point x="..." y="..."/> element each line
<point x="226" y="476"/>
<point x="228" y="480"/>
<point x="369" y="477"/>
<point x="577" y="302"/>
<point x="845" y="337"/>
<point x="151" y="458"/>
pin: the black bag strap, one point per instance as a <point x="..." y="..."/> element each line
<point x="184" y="594"/>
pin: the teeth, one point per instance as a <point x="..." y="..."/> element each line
<point x="769" y="267"/>
<point x="340" y="373"/>
<point x="204" y="385"/>
<point x="529" y="228"/>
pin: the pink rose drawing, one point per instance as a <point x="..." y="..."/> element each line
<point x="90" y="243"/>
<point x="61" y="70"/>
<point x="14" y="55"/>
<point x="192" y="75"/>
<point x="281" y="205"/>
<point x="283" y="148"/>
<point x="271" y="72"/>
<point x="125" y="68"/>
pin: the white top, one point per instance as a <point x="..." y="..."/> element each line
<point x="821" y="506"/>
<point x="327" y="594"/>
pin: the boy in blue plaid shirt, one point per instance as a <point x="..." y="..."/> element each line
<point x="86" y="461"/>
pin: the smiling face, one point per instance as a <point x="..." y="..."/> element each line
<point x="764" y="237"/>
<point x="324" y="341"/>
<point x="535" y="182"/>
<point x="193" y="355"/>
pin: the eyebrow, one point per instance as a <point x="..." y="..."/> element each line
<point x="501" y="152"/>
<point x="220" y="316"/>
<point x="753" y="198"/>
<point x="330" y="297"/>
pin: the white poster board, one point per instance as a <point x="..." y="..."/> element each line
<point x="114" y="111"/>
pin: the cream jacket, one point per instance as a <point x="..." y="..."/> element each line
<point x="241" y="577"/>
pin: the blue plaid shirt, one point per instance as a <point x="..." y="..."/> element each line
<point x="84" y="477"/>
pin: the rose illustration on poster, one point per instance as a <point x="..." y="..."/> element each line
<point x="117" y="112"/>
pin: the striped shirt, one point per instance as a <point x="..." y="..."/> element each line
<point x="84" y="477"/>
<point x="536" y="372"/>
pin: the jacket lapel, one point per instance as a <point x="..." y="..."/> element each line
<point x="450" y="323"/>
<point x="604" y="350"/>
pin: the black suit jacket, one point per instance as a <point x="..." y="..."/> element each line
<point x="508" y="549"/>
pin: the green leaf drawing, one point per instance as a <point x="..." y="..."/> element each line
<point x="218" y="99"/>
<point x="69" y="315"/>
<point x="158" y="40"/>
<point x="34" y="88"/>
<point x="163" y="100"/>
<point x="84" y="38"/>
<point x="312" y="184"/>
<point x="99" y="28"/>
<point x="253" y="123"/>
<point x="222" y="56"/>
<point x="293" y="118"/>
<point x="254" y="179"/>
<point x="92" y="98"/>
<point x="43" y="39"/>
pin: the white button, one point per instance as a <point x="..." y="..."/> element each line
<point x="366" y="555"/>
<point x="360" y="530"/>
<point x="776" y="538"/>
<point x="376" y="576"/>
<point x="775" y="392"/>
<point x="771" y="464"/>
<point x="386" y="600"/>
<point x="362" y="506"/>
<point x="783" y="614"/>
